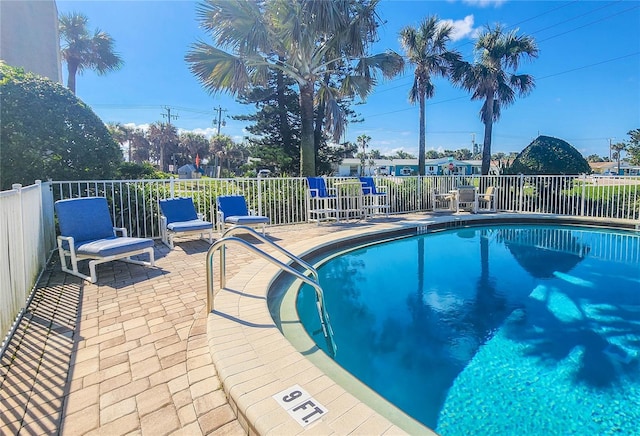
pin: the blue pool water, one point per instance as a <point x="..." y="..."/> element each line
<point x="498" y="330"/>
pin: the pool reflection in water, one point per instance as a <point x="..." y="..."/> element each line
<point x="494" y="330"/>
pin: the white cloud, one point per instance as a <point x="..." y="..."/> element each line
<point x="461" y="28"/>
<point x="484" y="3"/>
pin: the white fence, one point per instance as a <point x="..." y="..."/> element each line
<point x="134" y="203"/>
<point x="27" y="235"/>
<point x="27" y="232"/>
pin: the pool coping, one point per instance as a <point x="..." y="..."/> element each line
<point x="255" y="360"/>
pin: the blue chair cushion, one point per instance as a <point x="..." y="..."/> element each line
<point x="178" y="209"/>
<point x="85" y="219"/>
<point x="318" y="187"/>
<point x="188" y="226"/>
<point x="232" y="205"/>
<point x="112" y="246"/>
<point x="369" y="186"/>
<point x="247" y="219"/>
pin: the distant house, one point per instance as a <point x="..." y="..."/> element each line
<point x="351" y="167"/>
<point x="611" y="168"/>
<point x="188" y="171"/>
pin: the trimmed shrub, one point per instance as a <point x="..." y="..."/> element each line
<point x="547" y="155"/>
<point x="48" y="133"/>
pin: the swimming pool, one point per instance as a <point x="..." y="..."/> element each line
<point x="495" y="330"/>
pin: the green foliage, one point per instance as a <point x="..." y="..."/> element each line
<point x="134" y="171"/>
<point x="48" y="133"/>
<point x="547" y="155"/>
<point x="633" y="146"/>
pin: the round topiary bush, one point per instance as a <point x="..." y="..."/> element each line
<point x="547" y="155"/>
<point x="46" y="132"/>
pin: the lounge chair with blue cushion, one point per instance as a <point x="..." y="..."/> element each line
<point x="87" y="232"/>
<point x="179" y="218"/>
<point x="375" y="199"/>
<point x="322" y="202"/>
<point x="233" y="211"/>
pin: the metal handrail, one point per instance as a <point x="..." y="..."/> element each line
<point x="258" y="235"/>
<point x="220" y="245"/>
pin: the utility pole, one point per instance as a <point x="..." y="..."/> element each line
<point x="219" y="120"/>
<point x="610" y="139"/>
<point x="168" y="115"/>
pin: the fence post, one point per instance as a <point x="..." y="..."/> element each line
<point x="583" y="177"/>
<point x="18" y="188"/>
<point x="521" y="196"/>
<point x="172" y="187"/>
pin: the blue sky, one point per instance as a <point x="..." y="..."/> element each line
<point x="587" y="74"/>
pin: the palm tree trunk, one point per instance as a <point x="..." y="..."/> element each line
<point x="488" y="130"/>
<point x="307" y="147"/>
<point x="422" y="146"/>
<point x="285" y="129"/>
<point x="72" y="69"/>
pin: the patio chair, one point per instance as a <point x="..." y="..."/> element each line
<point x="466" y="199"/>
<point x="443" y="201"/>
<point x="179" y="218"/>
<point x="322" y="202"/>
<point x="376" y="200"/>
<point x="486" y="202"/>
<point x="233" y="211"/>
<point x="87" y="232"/>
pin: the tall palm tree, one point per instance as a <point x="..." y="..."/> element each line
<point x="81" y="51"/>
<point x="163" y="138"/>
<point x="426" y="48"/>
<point x="491" y="78"/>
<point x="307" y="41"/>
<point x="618" y="148"/>
<point x="363" y="142"/>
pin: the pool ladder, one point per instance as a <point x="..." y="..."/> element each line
<point x="220" y="245"/>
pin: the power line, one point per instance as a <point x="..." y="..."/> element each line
<point x="168" y="115"/>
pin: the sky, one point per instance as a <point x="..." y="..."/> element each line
<point x="587" y="74"/>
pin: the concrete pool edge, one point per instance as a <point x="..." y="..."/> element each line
<point x="255" y="361"/>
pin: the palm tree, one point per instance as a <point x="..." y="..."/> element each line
<point x="618" y="148"/>
<point x="426" y="48"/>
<point x="490" y="78"/>
<point x="307" y="41"/>
<point x="82" y="51"/>
<point x="163" y="138"/>
<point x="363" y="141"/>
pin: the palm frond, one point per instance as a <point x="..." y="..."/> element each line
<point x="217" y="69"/>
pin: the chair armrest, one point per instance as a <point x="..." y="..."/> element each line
<point x="366" y="190"/>
<point x="121" y="230"/>
<point x="70" y="242"/>
<point x="220" y="216"/>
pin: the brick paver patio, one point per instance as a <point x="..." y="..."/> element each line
<point x="126" y="355"/>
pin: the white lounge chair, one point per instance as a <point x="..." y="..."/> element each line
<point x="87" y="232"/>
<point x="179" y="218"/>
<point x="376" y="200"/>
<point x="322" y="202"/>
<point x="233" y="211"/>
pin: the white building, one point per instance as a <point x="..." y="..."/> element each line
<point x="352" y="167"/>
<point x="29" y="37"/>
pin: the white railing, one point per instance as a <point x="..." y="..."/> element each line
<point x="27" y="236"/>
<point x="134" y="203"/>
